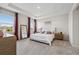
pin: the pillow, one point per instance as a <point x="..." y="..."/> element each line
<point x="43" y="32"/>
<point x="49" y="32"/>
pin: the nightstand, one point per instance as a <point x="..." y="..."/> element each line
<point x="59" y="36"/>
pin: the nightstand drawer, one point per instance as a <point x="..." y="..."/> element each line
<point x="59" y="36"/>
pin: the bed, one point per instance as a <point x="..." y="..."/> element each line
<point x="44" y="38"/>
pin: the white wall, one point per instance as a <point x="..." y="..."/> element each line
<point x="22" y="20"/>
<point x="40" y="24"/>
<point x="74" y="26"/>
<point x="60" y="22"/>
<point x="71" y="28"/>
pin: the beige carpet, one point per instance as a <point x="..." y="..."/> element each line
<point x="27" y="47"/>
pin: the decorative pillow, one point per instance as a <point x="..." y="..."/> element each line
<point x="49" y="32"/>
<point x="43" y="32"/>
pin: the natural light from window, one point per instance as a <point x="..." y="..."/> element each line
<point x="7" y="23"/>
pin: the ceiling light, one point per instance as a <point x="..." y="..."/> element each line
<point x="38" y="7"/>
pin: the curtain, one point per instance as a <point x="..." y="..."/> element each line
<point x="28" y="31"/>
<point x="35" y="26"/>
<point x="16" y="25"/>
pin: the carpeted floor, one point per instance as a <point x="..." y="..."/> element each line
<point x="27" y="47"/>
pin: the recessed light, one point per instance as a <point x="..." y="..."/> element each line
<point x="38" y="7"/>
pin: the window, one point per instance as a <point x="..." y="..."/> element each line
<point x="7" y="23"/>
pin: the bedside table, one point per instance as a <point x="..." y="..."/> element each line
<point x="59" y="36"/>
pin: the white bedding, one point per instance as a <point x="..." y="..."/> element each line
<point x="46" y="38"/>
<point x="7" y="35"/>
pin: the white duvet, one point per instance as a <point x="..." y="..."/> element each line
<point x="8" y="35"/>
<point x="46" y="38"/>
